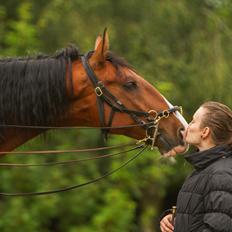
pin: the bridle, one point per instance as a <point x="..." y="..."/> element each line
<point x="105" y="96"/>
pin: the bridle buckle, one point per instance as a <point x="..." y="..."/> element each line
<point x="98" y="91"/>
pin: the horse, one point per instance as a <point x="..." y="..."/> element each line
<point x="99" y="89"/>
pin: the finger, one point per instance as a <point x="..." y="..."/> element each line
<point x="165" y="228"/>
<point x="168" y="223"/>
<point x="172" y="153"/>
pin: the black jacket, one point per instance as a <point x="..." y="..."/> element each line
<point x="204" y="203"/>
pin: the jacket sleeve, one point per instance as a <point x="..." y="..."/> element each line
<point x="218" y="203"/>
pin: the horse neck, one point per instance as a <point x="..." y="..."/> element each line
<point x="14" y="137"/>
<point x="78" y="114"/>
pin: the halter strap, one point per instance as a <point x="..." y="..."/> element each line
<point x="104" y="95"/>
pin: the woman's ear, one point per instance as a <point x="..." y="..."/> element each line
<point x="205" y="132"/>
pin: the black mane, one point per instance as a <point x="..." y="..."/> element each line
<point x="33" y="89"/>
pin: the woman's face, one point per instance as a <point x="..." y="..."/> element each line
<point x="193" y="134"/>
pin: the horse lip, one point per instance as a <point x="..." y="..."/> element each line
<point x="181" y="148"/>
<point x="167" y="145"/>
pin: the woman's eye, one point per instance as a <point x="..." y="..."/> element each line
<point x="130" y="85"/>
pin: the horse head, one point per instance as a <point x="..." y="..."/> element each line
<point x="108" y="92"/>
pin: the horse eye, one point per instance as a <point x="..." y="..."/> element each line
<point x="130" y="85"/>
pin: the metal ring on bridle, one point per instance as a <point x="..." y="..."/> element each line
<point x="147" y="131"/>
<point x="153" y="113"/>
<point x="166" y="114"/>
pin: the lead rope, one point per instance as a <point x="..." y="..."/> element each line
<point x="46" y="152"/>
<point x="67" y="162"/>
<point x="72" y="127"/>
<point x="77" y="185"/>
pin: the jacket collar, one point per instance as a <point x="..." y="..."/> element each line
<point x="202" y="159"/>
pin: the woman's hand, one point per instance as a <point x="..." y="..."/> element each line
<point x="166" y="224"/>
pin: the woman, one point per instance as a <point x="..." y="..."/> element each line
<point x="204" y="202"/>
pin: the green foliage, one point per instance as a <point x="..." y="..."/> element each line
<point x="22" y="36"/>
<point x="182" y="47"/>
<point x="117" y="216"/>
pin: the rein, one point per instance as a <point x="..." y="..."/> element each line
<point x="72" y="127"/>
<point x="77" y="185"/>
<point x="69" y="162"/>
<point x="65" y="151"/>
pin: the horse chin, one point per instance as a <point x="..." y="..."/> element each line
<point x="167" y="149"/>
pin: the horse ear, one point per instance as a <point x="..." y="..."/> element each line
<point x="97" y="42"/>
<point x="101" y="47"/>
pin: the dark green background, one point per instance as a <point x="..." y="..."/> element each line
<point x="182" y="47"/>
